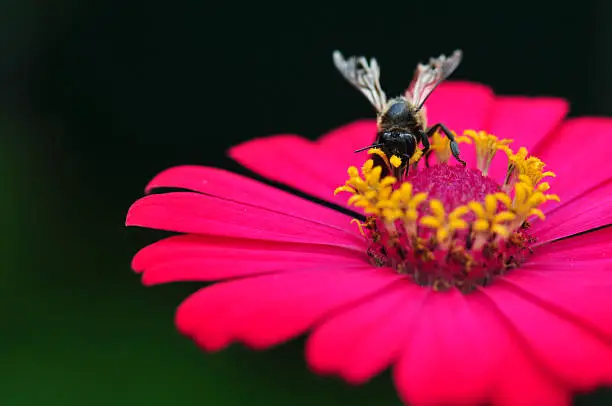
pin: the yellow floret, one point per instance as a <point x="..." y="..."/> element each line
<point x="444" y="225"/>
<point x="488" y="220"/>
<point x="486" y="146"/>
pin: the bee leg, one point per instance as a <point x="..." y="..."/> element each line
<point x="426" y="151"/>
<point x="453" y="144"/>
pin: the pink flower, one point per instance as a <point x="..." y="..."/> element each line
<point x="287" y="266"/>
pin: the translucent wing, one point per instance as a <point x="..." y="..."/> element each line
<point x="364" y="76"/>
<point x="428" y="76"/>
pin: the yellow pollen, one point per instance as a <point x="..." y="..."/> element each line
<point x="402" y="204"/>
<point x="444" y="225"/>
<point x="520" y="164"/>
<point x="527" y="199"/>
<point x="487" y="146"/>
<point x="440" y="144"/>
<point x="488" y="220"/>
<point x="416" y="156"/>
<point x="367" y="188"/>
<point x="395" y="161"/>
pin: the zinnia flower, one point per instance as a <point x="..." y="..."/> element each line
<point x="475" y="285"/>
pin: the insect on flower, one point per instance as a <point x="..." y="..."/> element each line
<point x="401" y="121"/>
<point x="484" y="284"/>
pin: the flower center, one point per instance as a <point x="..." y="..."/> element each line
<point x="449" y="226"/>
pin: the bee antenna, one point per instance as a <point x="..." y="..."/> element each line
<point x="369" y="146"/>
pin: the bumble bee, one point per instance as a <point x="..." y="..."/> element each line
<point x="401" y="121"/>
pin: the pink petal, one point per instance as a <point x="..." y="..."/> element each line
<point x="208" y="258"/>
<point x="187" y="212"/>
<point x="294" y="161"/>
<point x="230" y="186"/>
<point x="575" y="215"/>
<point x="563" y="344"/>
<point x="592" y="246"/>
<point x="267" y="310"/>
<point x="573" y="276"/>
<point x="579" y="155"/>
<point x="461" y="106"/>
<point x="366" y="339"/>
<point x="343" y="141"/>
<point x="518" y="379"/>
<point x="526" y="120"/>
<point x="459" y="353"/>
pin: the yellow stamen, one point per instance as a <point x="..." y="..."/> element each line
<point x="520" y="164"/>
<point x="360" y="225"/>
<point x="527" y="198"/>
<point x="381" y="154"/>
<point x="402" y="204"/>
<point x="488" y="220"/>
<point x="487" y="146"/>
<point x="440" y="144"/>
<point x="444" y="225"/>
<point x="367" y="188"/>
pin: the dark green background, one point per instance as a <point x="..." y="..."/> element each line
<point x="96" y="97"/>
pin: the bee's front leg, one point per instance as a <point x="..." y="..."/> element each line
<point x="453" y="144"/>
<point x="426" y="148"/>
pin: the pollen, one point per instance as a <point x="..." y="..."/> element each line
<point x="521" y="164"/>
<point x="487" y="146"/>
<point x="440" y="145"/>
<point x="444" y="225"/>
<point x="450" y="227"/>
<point x="489" y="223"/>
<point x="527" y="199"/>
<point x="395" y="161"/>
<point x="367" y="188"/>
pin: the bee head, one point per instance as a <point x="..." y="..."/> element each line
<point x="398" y="143"/>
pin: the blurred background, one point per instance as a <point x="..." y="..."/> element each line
<point x="97" y="97"/>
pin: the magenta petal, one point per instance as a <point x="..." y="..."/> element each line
<point x="208" y="258"/>
<point x="294" y="161"/>
<point x="592" y="246"/>
<point x="526" y="120"/>
<point x="519" y="380"/>
<point x="460" y="353"/>
<point x="451" y="339"/>
<point x="187" y="212"/>
<point x="563" y="345"/>
<point x="268" y="310"/>
<point x="460" y="105"/>
<point x="230" y="186"/>
<point x="575" y="215"/>
<point x="366" y="339"/>
<point x="578" y="168"/>
<point x="343" y="141"/>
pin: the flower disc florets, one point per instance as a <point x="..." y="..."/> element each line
<point x="450" y="226"/>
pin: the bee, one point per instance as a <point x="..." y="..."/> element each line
<point x="401" y="121"/>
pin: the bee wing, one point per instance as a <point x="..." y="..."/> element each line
<point x="428" y="76"/>
<point x="364" y="76"/>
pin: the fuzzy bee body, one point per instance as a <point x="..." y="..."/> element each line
<point x="401" y="121"/>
